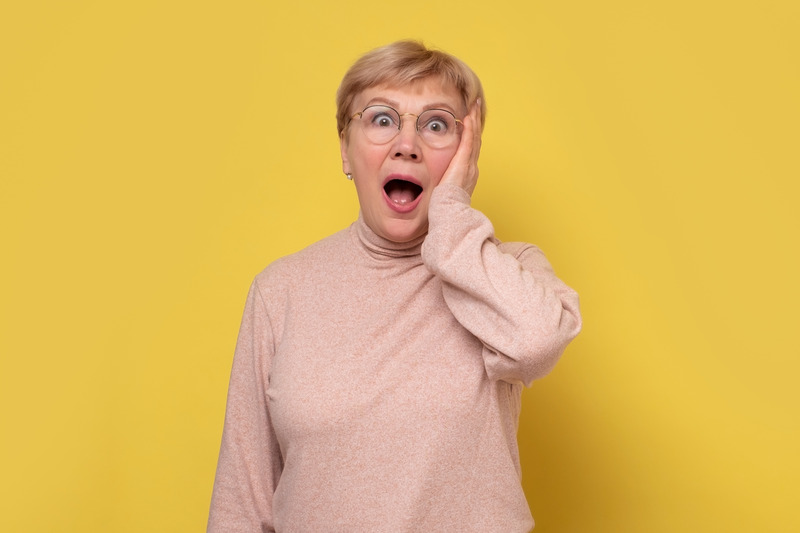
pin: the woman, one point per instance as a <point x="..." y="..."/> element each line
<point x="377" y="376"/>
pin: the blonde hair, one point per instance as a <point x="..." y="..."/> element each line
<point x="402" y="63"/>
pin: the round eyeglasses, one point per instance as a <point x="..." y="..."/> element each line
<point x="438" y="128"/>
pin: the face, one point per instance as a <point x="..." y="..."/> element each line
<point x="394" y="181"/>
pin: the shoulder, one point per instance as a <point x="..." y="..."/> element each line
<point x="292" y="269"/>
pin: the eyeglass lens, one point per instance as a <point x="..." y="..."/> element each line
<point x="437" y="127"/>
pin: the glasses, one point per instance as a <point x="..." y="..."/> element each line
<point x="438" y="128"/>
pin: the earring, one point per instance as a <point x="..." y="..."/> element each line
<point x="348" y="175"/>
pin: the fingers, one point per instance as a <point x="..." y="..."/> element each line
<point x="463" y="168"/>
<point x="475" y="113"/>
<point x="471" y="143"/>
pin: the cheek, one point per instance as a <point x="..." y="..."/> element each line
<point x="367" y="157"/>
<point x="439" y="162"/>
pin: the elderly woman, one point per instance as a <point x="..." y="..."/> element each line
<point x="377" y="376"/>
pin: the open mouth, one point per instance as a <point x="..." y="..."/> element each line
<point x="401" y="192"/>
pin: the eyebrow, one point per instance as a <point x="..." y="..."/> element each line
<point x="391" y="103"/>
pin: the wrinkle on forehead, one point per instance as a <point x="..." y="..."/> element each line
<point x="448" y="93"/>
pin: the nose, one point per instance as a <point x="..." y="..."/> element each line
<point x="407" y="142"/>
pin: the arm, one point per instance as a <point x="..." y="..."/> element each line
<point x="521" y="312"/>
<point x="249" y="460"/>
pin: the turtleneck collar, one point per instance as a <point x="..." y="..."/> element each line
<point x="380" y="248"/>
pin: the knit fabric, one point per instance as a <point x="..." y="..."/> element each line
<point x="376" y="386"/>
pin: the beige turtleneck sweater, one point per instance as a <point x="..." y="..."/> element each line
<point x="376" y="386"/>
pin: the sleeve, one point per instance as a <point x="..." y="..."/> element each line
<point x="249" y="460"/>
<point x="513" y="303"/>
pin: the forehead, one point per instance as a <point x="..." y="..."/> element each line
<point x="414" y="96"/>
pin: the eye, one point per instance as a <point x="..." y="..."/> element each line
<point x="384" y="121"/>
<point x="381" y="117"/>
<point x="436" y="122"/>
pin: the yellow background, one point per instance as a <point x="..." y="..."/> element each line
<point x="155" y="155"/>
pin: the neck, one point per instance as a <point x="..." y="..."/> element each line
<point x="379" y="246"/>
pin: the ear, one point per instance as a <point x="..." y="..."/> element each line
<point x="343" y="146"/>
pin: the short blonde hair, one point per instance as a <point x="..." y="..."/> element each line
<point x="402" y="63"/>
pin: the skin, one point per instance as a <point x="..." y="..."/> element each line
<point x="408" y="156"/>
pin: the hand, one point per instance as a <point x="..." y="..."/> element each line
<point x="463" y="169"/>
